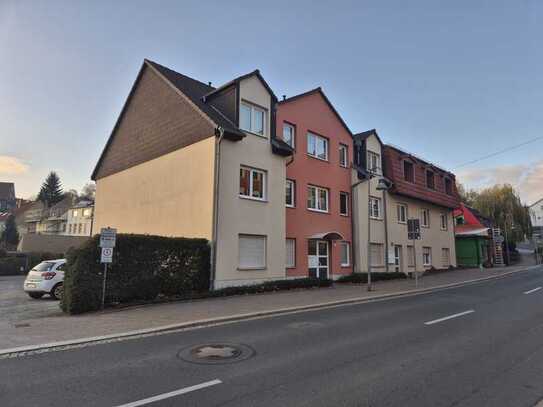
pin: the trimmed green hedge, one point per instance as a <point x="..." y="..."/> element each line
<point x="362" y="278"/>
<point x="143" y="268"/>
<point x="274" y="285"/>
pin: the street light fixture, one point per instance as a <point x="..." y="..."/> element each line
<point x="382" y="185"/>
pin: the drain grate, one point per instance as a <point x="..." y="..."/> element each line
<point x="216" y="353"/>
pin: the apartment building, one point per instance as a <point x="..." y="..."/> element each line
<point x="318" y="186"/>
<point x="536" y="213"/>
<point x="188" y="159"/>
<point x="391" y="186"/>
<point x="79" y="219"/>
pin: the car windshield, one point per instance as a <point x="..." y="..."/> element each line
<point x="45" y="266"/>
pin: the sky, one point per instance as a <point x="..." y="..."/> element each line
<point x="451" y="81"/>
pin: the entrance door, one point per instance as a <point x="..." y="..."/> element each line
<point x="398" y="259"/>
<point x="317" y="258"/>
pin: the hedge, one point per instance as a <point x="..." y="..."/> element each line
<point x="362" y="278"/>
<point x="143" y="268"/>
<point x="21" y="263"/>
<point x="274" y="285"/>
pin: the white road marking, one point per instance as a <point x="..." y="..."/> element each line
<point x="435" y="321"/>
<point x="171" y="394"/>
<point x="533" y="291"/>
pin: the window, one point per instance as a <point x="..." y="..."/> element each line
<point x="87" y="212"/>
<point x="317" y="146"/>
<point x="374" y="162"/>
<point x="345" y="254"/>
<point x="317" y="198"/>
<point x="411" y="256"/>
<point x="79" y="227"/>
<point x="289" y="134"/>
<point x="443" y="221"/>
<point x="251" y="118"/>
<point x="343" y="155"/>
<point x="84" y="228"/>
<point x="376" y="253"/>
<point x="448" y="186"/>
<point x="446" y="257"/>
<point x="252" y="252"/>
<point x="290" y="253"/>
<point x="408" y="171"/>
<point x="252" y="183"/>
<point x="344" y="203"/>
<point x="425" y="218"/>
<point x="75" y="214"/>
<point x="427" y="256"/>
<point x="430" y="179"/>
<point x="375" y="207"/>
<point x="402" y="213"/>
<point x="291" y="194"/>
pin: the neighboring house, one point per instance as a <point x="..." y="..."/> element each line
<point x="33" y="216"/>
<point x="7" y="196"/>
<point x="20" y="216"/>
<point x="417" y="190"/>
<point x="79" y="219"/>
<point x="536" y="211"/>
<point x="49" y="221"/>
<point x="474" y="244"/>
<point x="318" y="189"/>
<point x="187" y="159"/>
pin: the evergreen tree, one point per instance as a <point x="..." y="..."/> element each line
<point x="10" y="236"/>
<point x="51" y="190"/>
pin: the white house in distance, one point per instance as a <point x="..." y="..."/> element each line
<point x="79" y="219"/>
<point x="536" y="210"/>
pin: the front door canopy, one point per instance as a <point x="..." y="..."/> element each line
<point x="327" y="236"/>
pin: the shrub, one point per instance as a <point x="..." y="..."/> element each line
<point x="362" y="278"/>
<point x="21" y="263"/>
<point x="268" y="286"/>
<point x="143" y="268"/>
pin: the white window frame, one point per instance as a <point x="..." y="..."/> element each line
<point x="317" y="190"/>
<point x="343" y="155"/>
<point x="293" y="132"/>
<point x="399" y="208"/>
<point x="346" y="195"/>
<point x="374" y="260"/>
<point x="373" y="156"/>
<point x="422" y="220"/>
<point x="253" y="108"/>
<point x="293" y="265"/>
<point x="371" y="200"/>
<point x="293" y="193"/>
<point x="347" y="245"/>
<point x="326" y="145"/>
<point x="443" y="221"/>
<point x="426" y="256"/>
<point x="411" y="256"/>
<point x="255" y="267"/>
<point x="264" y="184"/>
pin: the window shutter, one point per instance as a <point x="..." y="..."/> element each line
<point x="252" y="251"/>
<point x="290" y="253"/>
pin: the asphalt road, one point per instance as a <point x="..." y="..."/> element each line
<point x="410" y="351"/>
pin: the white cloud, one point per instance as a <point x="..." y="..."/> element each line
<point x="12" y="166"/>
<point x="527" y="179"/>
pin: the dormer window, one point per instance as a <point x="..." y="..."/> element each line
<point x="408" y="171"/>
<point x="374" y="162"/>
<point x="252" y="118"/>
<point x="448" y="186"/>
<point x="430" y="179"/>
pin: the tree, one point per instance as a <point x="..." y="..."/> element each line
<point x="502" y="204"/>
<point x="88" y="191"/>
<point x="468" y="197"/>
<point x="51" y="190"/>
<point x="10" y="236"/>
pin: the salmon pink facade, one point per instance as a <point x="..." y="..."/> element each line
<point x="318" y="187"/>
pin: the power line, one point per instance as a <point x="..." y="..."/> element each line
<point x="505" y="150"/>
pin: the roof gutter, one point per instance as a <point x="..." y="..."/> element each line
<point x="219" y="131"/>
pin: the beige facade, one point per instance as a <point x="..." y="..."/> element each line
<point x="171" y="195"/>
<point x="250" y="217"/>
<point x="390" y="248"/>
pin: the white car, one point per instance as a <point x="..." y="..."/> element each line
<point x="46" y="278"/>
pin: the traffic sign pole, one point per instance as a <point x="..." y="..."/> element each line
<point x="104" y="286"/>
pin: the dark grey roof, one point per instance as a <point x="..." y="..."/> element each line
<point x="7" y="191"/>
<point x="256" y="73"/>
<point x="195" y="91"/>
<point x="365" y="134"/>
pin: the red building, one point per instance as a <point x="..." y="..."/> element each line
<point x="318" y="212"/>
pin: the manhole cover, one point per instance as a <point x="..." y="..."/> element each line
<point x="216" y="353"/>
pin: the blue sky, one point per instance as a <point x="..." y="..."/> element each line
<point x="450" y="81"/>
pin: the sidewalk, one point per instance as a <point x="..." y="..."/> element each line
<point x="60" y="327"/>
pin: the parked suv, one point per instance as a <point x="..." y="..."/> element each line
<point x="46" y="278"/>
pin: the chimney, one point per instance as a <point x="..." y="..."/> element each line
<point x="209" y="83"/>
<point x="284" y="97"/>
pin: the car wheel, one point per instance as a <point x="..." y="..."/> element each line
<point x="57" y="291"/>
<point x="35" y="295"/>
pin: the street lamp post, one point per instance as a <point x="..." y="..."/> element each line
<point x="382" y="185"/>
